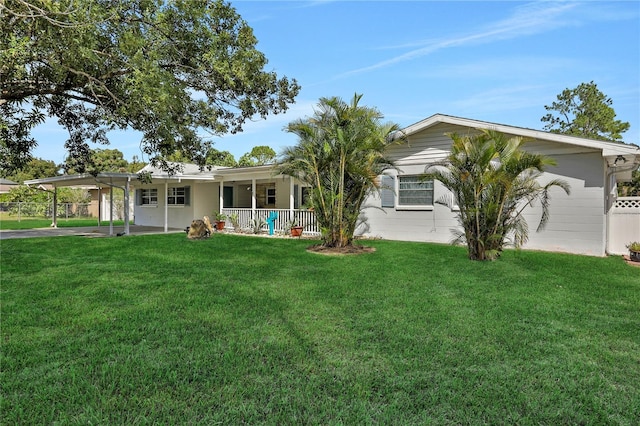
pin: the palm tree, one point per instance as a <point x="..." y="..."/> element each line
<point x="340" y="154"/>
<point x="493" y="181"/>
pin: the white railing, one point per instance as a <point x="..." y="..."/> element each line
<point x="247" y="218"/>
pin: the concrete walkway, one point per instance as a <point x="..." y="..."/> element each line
<point x="87" y="231"/>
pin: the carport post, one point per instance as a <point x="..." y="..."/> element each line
<point x="54" y="223"/>
<point x="166" y="206"/>
<point x="126" y="206"/>
<point x="111" y="207"/>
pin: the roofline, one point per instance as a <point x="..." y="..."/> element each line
<point x="67" y="178"/>
<point x="608" y="148"/>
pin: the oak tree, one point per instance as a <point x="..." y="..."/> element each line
<point x="171" y="70"/>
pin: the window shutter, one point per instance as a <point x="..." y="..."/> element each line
<point x="387" y="191"/>
<point x="138" y="197"/>
<point x="187" y="195"/>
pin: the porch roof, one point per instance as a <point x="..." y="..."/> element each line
<point x="266" y="171"/>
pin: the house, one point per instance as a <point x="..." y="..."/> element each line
<point x="588" y="221"/>
<point x="6" y="185"/>
<point x="250" y="193"/>
<point x="591" y="220"/>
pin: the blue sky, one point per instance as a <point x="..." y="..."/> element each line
<point x="494" y="61"/>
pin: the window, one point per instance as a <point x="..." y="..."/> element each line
<point x="148" y="196"/>
<point x="271" y="196"/>
<point x="177" y="196"/>
<point x="413" y="191"/>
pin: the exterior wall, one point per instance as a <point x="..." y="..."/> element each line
<point x="204" y="201"/>
<point x="577" y="221"/>
<point x="242" y="196"/>
<point x="282" y="193"/>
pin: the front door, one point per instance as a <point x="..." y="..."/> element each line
<point x="227" y="197"/>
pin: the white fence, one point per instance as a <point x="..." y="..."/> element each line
<point x="624" y="224"/>
<point x="248" y="218"/>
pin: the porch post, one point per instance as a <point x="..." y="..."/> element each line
<point x="291" y="196"/>
<point x="221" y="198"/>
<point x="253" y="198"/>
<point x="166" y="207"/>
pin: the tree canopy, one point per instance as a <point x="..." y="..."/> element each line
<point x="584" y="112"/>
<point x="170" y="70"/>
<point x="100" y="160"/>
<point x="258" y="156"/>
<point x="340" y="154"/>
<point x="36" y="168"/>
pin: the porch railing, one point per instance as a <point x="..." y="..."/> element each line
<point x="247" y="217"/>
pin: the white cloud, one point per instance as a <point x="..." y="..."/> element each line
<point x="532" y="18"/>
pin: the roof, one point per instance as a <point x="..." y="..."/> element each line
<point x="608" y="148"/>
<point x="106" y="179"/>
<point x="7" y="182"/>
<point x="186" y="171"/>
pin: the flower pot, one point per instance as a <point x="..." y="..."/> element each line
<point x="296" y="231"/>
<point x="634" y="255"/>
<point x="220" y="225"/>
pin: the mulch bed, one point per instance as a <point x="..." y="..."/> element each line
<point x="338" y="251"/>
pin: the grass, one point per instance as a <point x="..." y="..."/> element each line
<point x="7" y="223"/>
<point x="234" y="329"/>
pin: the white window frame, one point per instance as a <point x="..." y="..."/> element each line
<point x="176" y="196"/>
<point x="270" y="194"/>
<point x="417" y="181"/>
<point x="149" y="197"/>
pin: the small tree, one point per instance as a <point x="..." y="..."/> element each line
<point x="584" y="112"/>
<point x="340" y="154"/>
<point x="258" y="156"/>
<point x="493" y="181"/>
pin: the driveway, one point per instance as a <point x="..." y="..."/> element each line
<point x="87" y="231"/>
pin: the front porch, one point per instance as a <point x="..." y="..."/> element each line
<point x="253" y="194"/>
<point x="248" y="218"/>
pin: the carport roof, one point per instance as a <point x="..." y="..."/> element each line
<point x="85" y="179"/>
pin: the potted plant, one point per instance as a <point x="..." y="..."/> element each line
<point x="235" y="222"/>
<point x="634" y="251"/>
<point x="220" y="220"/>
<point x="295" y="228"/>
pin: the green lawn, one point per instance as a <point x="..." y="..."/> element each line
<point x="234" y="329"/>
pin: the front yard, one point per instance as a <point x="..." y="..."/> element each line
<point x="234" y="329"/>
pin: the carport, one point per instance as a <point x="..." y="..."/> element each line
<point x="101" y="180"/>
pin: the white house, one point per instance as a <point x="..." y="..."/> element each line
<point x="591" y="220"/>
<point x="585" y="222"/>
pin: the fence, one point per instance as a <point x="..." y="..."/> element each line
<point x="624" y="224"/>
<point x="20" y="210"/>
<point x="248" y="219"/>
